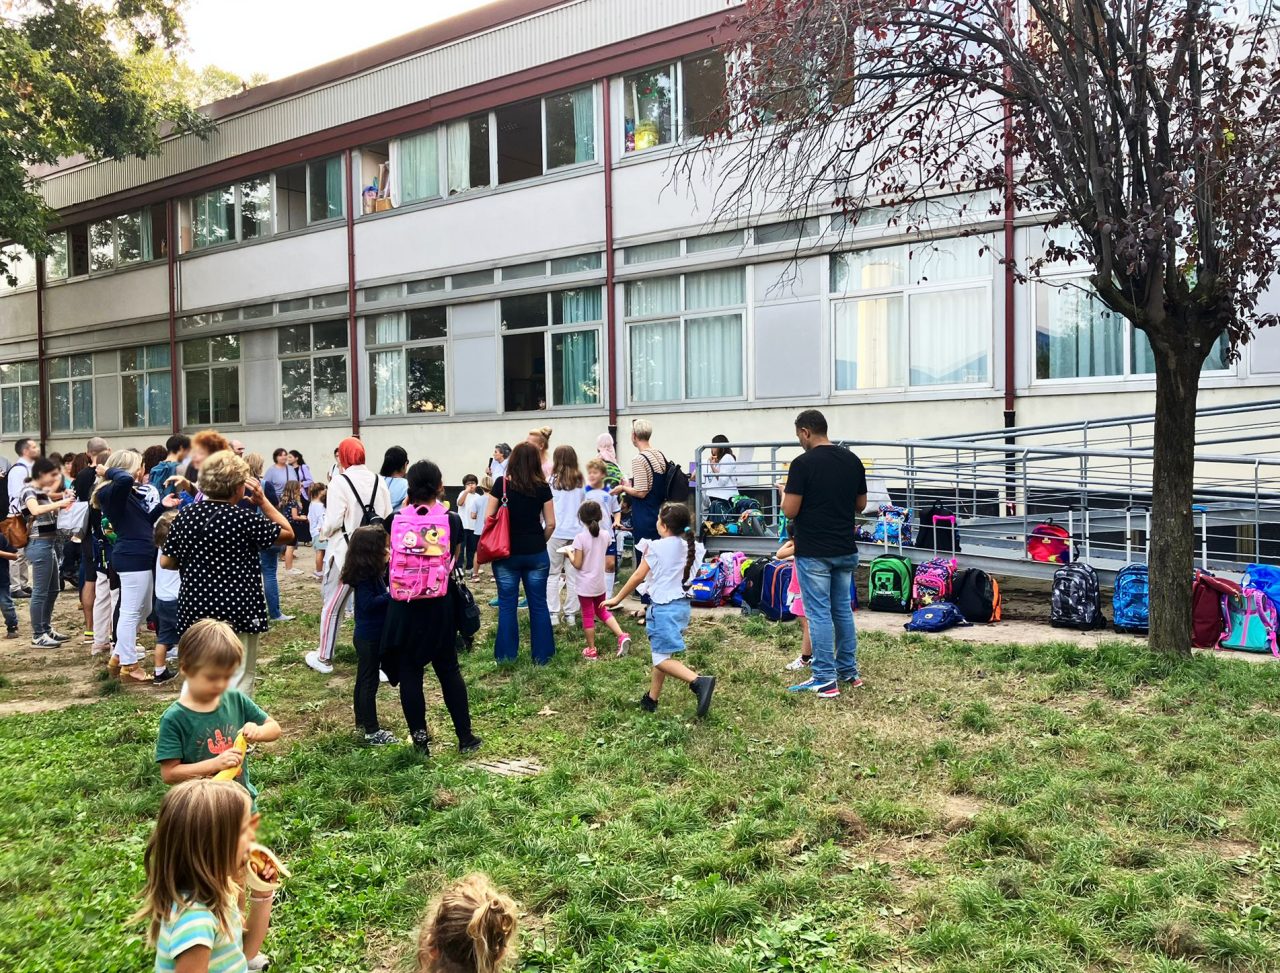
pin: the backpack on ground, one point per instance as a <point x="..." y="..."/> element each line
<point x="1265" y="578"/>
<point x="1050" y="543"/>
<point x="719" y="511"/>
<point x="935" y="618"/>
<point x="1207" y="622"/>
<point x="1077" y="598"/>
<point x="1250" y="622"/>
<point x="420" y="545"/>
<point x="889" y="584"/>
<point x="733" y="563"/>
<point x="934" y="581"/>
<point x="753" y="583"/>
<point x="977" y="595"/>
<point x="938" y="530"/>
<point x="893" y="525"/>
<point x="368" y="515"/>
<point x="707" y="588"/>
<point x="1130" y="602"/>
<point x="773" y="597"/>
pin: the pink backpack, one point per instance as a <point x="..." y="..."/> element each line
<point x="934" y="582"/>
<point x="420" y="561"/>
<point x="731" y="563"/>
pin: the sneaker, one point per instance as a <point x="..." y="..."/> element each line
<point x="470" y="746"/>
<point x="648" y="703"/>
<point x="46" y="641"/>
<point x="164" y="675"/>
<point x="703" y="687"/>
<point x="853" y="683"/>
<point x="523" y="603"/>
<point x="19" y="593"/>
<point x="11" y="633"/>
<point x="318" y="575"/>
<point x="827" y="690"/>
<point x="590" y="653"/>
<point x="294" y="571"/>
<point x="624" y="645"/>
<point x="421" y="742"/>
<point x="382" y="677"/>
<point x="171" y="655"/>
<point x="284" y="618"/>
<point x="58" y="636"/>
<point x="380" y="738"/>
<point x="571" y="621"/>
<point x="260" y="962"/>
<point x="798" y="663"/>
<point x="314" y="661"/>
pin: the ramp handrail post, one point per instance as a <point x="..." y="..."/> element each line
<point x="1257" y="516"/>
<point x="1025" y="503"/>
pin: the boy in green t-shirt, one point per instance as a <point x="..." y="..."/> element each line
<point x="198" y="732"/>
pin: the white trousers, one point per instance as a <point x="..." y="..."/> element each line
<point x="135" y="605"/>
<point x="104" y="609"/>
<point x="563" y="576"/>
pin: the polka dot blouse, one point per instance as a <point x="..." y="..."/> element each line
<point x="216" y="546"/>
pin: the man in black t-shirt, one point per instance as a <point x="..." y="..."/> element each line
<point x="824" y="490"/>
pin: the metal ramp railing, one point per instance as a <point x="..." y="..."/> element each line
<point x="1001" y="492"/>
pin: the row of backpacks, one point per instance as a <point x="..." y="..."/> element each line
<point x="1243" y="616"/>
<point x="759" y="584"/>
<point x="936" y="591"/>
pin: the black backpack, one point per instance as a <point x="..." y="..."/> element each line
<point x="1077" y="598"/>
<point x="368" y="516"/>
<point x="977" y="596"/>
<point x="675" y="481"/>
<point x="938" y="531"/>
<point x="753" y="583"/>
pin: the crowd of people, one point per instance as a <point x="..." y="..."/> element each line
<point x="186" y="539"/>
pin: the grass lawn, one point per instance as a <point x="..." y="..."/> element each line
<point x="975" y="808"/>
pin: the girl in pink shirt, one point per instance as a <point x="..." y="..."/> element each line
<point x="587" y="554"/>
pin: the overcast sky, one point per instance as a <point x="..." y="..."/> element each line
<point x="282" y="37"/>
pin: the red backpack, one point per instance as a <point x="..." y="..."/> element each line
<point x="1049" y="542"/>
<point x="1207" y="623"/>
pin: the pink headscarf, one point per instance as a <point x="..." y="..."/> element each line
<point x="350" y="452"/>
<point x="604" y="446"/>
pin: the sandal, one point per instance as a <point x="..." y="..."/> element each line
<point x="113" y="666"/>
<point x="135" y="672"/>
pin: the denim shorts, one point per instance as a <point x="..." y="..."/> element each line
<point x="665" y="625"/>
<point x="166" y="622"/>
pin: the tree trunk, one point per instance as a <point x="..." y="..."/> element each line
<point x="1172" y="484"/>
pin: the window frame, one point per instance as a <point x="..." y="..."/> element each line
<point x="549" y="331"/>
<point x="70" y="380"/>
<point x="237" y="221"/>
<point x="208" y="368"/>
<point x="683" y="315"/>
<point x="371" y="348"/>
<point x="147" y="376"/>
<point x="679" y="124"/>
<point x="21" y="384"/>
<point x="310" y="355"/>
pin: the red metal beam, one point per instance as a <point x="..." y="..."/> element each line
<point x="171" y="246"/>
<point x="611" y="304"/>
<point x="352" y="357"/>
<point x="43" y="394"/>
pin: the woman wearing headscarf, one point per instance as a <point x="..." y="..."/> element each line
<point x="608" y="456"/>
<point x="351" y="491"/>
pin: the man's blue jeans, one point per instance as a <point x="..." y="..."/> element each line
<point x="533" y="570"/>
<point x="825" y="583"/>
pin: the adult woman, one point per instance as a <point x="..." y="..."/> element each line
<point x="532" y="519"/>
<point x="395" y="461"/>
<point x="609" y="457"/>
<point x="152" y="457"/>
<point x="133" y="553"/>
<point x="278" y="474"/>
<point x="645" y="488"/>
<point x="541" y="439"/>
<point x="722" y="480"/>
<point x="268" y="557"/>
<point x="422" y="633"/>
<point x="300" y="472"/>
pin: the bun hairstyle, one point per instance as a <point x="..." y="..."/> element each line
<point x="121" y="459"/>
<point x="590" y="514"/>
<point x="470" y="929"/>
<point x="679" y="523"/>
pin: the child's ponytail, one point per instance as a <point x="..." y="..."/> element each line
<point x="471" y="927"/>
<point x="676" y="519"/>
<point x="590" y="514"/>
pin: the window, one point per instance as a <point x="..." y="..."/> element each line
<point x="1144" y="361"/>
<point x="236" y="213"/>
<point x="575" y="265"/>
<point x="20" y="398"/>
<point x="571" y="128"/>
<point x="476" y="278"/>
<point x="325" y="190"/>
<point x="102" y="249"/>
<point x="291" y="198"/>
<point x="419" y="158"/>
<point x="146" y="389"/>
<point x="313" y="370"/>
<point x="790" y="230"/>
<point x="56" y="266"/>
<point x="20" y="265"/>
<point x="713" y="241"/>
<point x="71" y="393"/>
<point x="649" y="252"/>
<point x="211" y="377"/>
<point x="563" y="328"/>
<point x="915" y="318"/>
<point x="519" y="130"/>
<point x="704" y="95"/>
<point x="407" y="361"/>
<point x="685" y="336"/>
<point x="467" y="150"/>
<point x="648" y="109"/>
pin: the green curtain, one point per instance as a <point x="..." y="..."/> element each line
<point x="419" y="167"/>
<point x="333" y="188"/>
<point x="577" y="369"/>
<point x="584" y="124"/>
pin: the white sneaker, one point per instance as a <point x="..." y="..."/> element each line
<point x="260" y="962"/>
<point x="293" y="571"/>
<point x="46" y="641"/>
<point x="796" y="664"/>
<point x="314" y="661"/>
<point x="283" y="618"/>
<point x="382" y="676"/>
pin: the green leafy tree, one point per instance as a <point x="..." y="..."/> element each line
<point x="70" y="86"/>
<point x="172" y="79"/>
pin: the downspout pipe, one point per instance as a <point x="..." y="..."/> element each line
<point x="351" y="298"/>
<point x="41" y="364"/>
<point x="611" y="304"/>
<point x="175" y="396"/>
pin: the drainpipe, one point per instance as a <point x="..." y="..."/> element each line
<point x="43" y="397"/>
<point x="1010" y="360"/>
<point x="351" y="300"/>
<point x="175" y="393"/>
<point x="611" y="304"/>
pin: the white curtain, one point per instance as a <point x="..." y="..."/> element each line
<point x="957" y="258"/>
<point x="864" y="270"/>
<point x="655" y="362"/>
<point x="657" y="295"/>
<point x="419" y="168"/>
<point x="869" y="344"/>
<point x="580" y="306"/>
<point x="389" y="329"/>
<point x="387" y="370"/>
<point x="714" y="288"/>
<point x="1079" y="337"/>
<point x="951" y="337"/>
<point x="584" y="124"/>
<point x="147" y="240"/>
<point x="713" y="357"/>
<point x="458" y="148"/>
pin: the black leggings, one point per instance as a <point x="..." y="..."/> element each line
<point x="366" y="692"/>
<point x="444" y="659"/>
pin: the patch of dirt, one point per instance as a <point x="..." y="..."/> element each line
<point x="958" y="812"/>
<point x="29" y="706"/>
<point x="1230" y="848"/>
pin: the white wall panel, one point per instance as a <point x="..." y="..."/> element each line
<point x="18" y="314"/>
<point x="100" y="300"/>
<point x="474" y="382"/>
<point x="789" y="358"/>
<point x="251" y="274"/>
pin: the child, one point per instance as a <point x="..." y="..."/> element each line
<point x="315" y="513"/>
<point x="470" y="929"/>
<point x="567" y="494"/>
<point x="291" y="507"/>
<point x="42" y="498"/>
<point x="471" y="510"/>
<point x="195" y="864"/>
<point x="365" y="570"/>
<point x="7" y="554"/>
<point x="598" y="489"/>
<point x="198" y="731"/>
<point x="588" y="558"/>
<point x="168" y="587"/>
<point x="668" y="564"/>
<point x="795" y="604"/>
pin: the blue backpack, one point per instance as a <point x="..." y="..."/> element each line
<point x="1265" y="578"/>
<point x="937" y="617"/>
<point x="1130" y="604"/>
<point x="707" y="587"/>
<point x="719" y="511"/>
<point x="773" y="594"/>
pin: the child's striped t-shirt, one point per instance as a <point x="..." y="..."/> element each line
<point x="195" y="925"/>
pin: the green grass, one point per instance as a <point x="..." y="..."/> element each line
<point x="993" y="808"/>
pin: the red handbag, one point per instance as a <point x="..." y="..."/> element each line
<point x="495" y="542"/>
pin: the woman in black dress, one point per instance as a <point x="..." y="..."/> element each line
<point x="423" y="633"/>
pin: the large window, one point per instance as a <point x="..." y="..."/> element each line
<point x="407" y="361"/>
<point x="308" y="193"/>
<point x="128" y="238"/>
<point x="211" y="380"/>
<point x="685" y="99"/>
<point x="313" y="370"/>
<point x="56" y="265"/>
<point x="467" y="151"/>
<point x="20" y="265"/>
<point x="685" y="336"/>
<point x="561" y="328"/>
<point x="917" y="315"/>
<point x="20" y="398"/>
<point x="71" y="393"/>
<point x="146" y="387"/>
<point x="230" y="214"/>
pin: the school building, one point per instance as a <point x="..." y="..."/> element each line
<point x="481" y="227"/>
